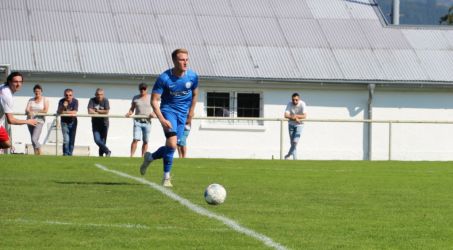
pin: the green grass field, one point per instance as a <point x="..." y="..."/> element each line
<point x="62" y="202"/>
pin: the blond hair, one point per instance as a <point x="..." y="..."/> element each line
<point x="177" y="51"/>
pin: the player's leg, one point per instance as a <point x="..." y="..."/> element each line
<point x="166" y="152"/>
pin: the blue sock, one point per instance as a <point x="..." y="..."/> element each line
<point x="168" y="159"/>
<point x="160" y="152"/>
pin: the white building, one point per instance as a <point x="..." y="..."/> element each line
<point x="340" y="55"/>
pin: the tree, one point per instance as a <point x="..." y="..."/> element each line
<point x="448" y="18"/>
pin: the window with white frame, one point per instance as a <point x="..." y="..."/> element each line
<point x="234" y="104"/>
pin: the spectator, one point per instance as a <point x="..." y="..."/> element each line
<point x="141" y="104"/>
<point x="37" y="104"/>
<point x="100" y="125"/>
<point x="295" y="112"/>
<point x="68" y="105"/>
<point x="13" y="84"/>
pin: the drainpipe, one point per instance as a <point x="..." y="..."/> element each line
<point x="396" y="12"/>
<point x="369" y="126"/>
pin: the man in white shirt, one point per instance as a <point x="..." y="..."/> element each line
<point x="295" y="112"/>
<point x="13" y="84"/>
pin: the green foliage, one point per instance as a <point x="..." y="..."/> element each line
<point x="448" y="18"/>
<point x="62" y="202"/>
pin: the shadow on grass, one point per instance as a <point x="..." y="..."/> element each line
<point x="94" y="183"/>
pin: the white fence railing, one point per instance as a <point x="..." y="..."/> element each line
<point x="282" y="123"/>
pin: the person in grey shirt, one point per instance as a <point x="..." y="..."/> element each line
<point x="100" y="125"/>
<point x="141" y="104"/>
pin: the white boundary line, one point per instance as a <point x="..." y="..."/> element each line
<point x="199" y="210"/>
<point x="53" y="222"/>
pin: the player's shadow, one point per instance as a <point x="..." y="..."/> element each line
<point x="94" y="183"/>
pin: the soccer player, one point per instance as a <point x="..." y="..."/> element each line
<point x="295" y="112"/>
<point x="13" y="84"/>
<point x="177" y="91"/>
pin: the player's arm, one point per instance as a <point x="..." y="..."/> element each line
<point x="155" y="98"/>
<point x="192" y="107"/>
<point x="13" y="121"/>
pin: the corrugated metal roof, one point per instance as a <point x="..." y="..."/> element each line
<point x="426" y="39"/>
<point x="102" y="6"/>
<point x="449" y="36"/>
<point x="172" y="7"/>
<point x="437" y="63"/>
<point x="400" y="64"/>
<point x="137" y="28"/>
<point x="101" y="57"/>
<point x="13" y="5"/>
<point x="291" y="9"/>
<point x="360" y="9"/>
<point x="262" y="31"/>
<point x="132" y="6"/>
<point x="212" y="8"/>
<point x="359" y="64"/>
<point x="315" y="63"/>
<point x="328" y="9"/>
<point x="233" y="61"/>
<point x="56" y="56"/>
<point x="287" y="39"/>
<point x="273" y="62"/>
<point x="144" y="57"/>
<point x="19" y="54"/>
<point x="52" y="26"/>
<point x="174" y="33"/>
<point x="383" y="38"/>
<point x="303" y="33"/>
<point x="15" y="25"/>
<point x="95" y="27"/>
<point x="344" y="34"/>
<point x="49" y="5"/>
<point x="222" y="30"/>
<point x="251" y="8"/>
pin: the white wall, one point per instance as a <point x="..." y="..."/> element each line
<point x="346" y="141"/>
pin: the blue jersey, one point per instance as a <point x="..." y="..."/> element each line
<point x="176" y="92"/>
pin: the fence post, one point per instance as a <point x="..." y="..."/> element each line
<point x="281" y="139"/>
<point x="390" y="141"/>
<point x="56" y="134"/>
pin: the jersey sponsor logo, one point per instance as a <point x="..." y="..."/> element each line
<point x="179" y="93"/>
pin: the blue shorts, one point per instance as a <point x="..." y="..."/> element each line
<point x="142" y="131"/>
<point x="182" y="141"/>
<point x="177" y="121"/>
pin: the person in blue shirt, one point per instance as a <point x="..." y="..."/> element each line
<point x="68" y="106"/>
<point x="177" y="91"/>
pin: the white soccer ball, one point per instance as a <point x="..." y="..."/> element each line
<point x="215" y="194"/>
